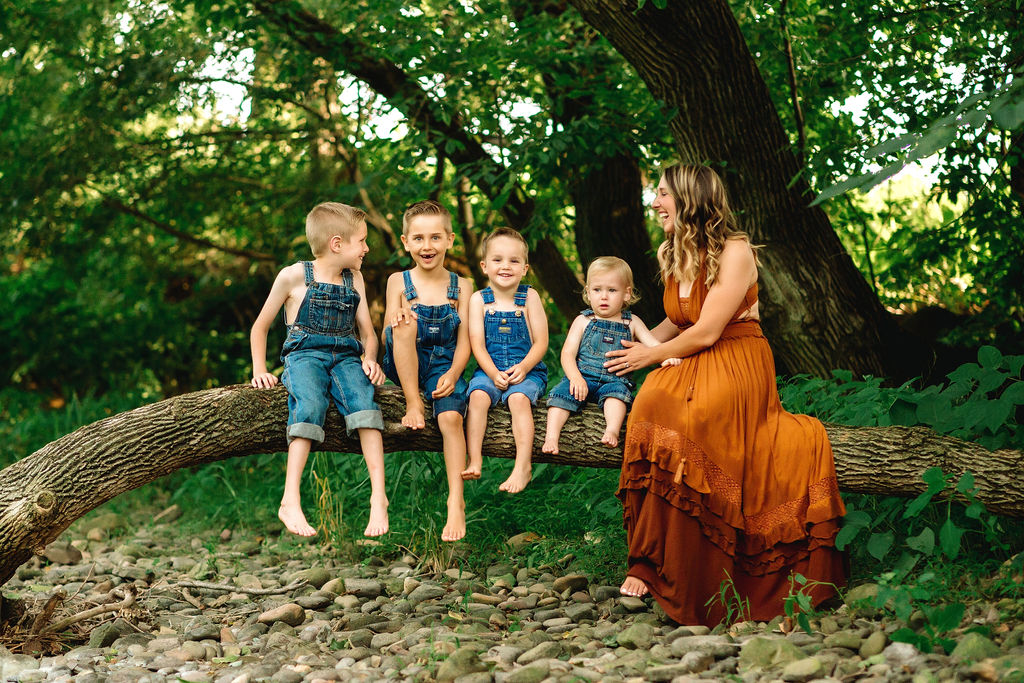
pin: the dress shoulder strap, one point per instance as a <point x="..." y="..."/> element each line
<point x="307" y="267"/>
<point x="453" y="286"/>
<point x="520" y="296"/>
<point x="410" y="289"/>
<point x="488" y="294"/>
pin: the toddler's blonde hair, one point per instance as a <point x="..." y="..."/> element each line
<point x="611" y="264"/>
<point x="329" y="219"/>
<point x="511" y="234"/>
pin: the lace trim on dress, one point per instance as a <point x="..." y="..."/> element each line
<point x="669" y="465"/>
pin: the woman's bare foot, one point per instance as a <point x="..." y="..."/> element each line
<point x="455" y="527"/>
<point x="550" y="445"/>
<point x="294" y="520"/>
<point x="610" y="439"/>
<point x="413" y="418"/>
<point x="378" y="524"/>
<point x="516" y="481"/>
<point x="473" y="469"/>
<point x="634" y="587"/>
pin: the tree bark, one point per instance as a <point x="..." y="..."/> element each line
<point x="816" y="307"/>
<point x="41" y="495"/>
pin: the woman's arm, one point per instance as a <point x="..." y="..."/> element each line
<point x="736" y="271"/>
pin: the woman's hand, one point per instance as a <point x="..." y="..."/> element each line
<point x="633" y="357"/>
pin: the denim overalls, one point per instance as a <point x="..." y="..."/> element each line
<point x="599" y="337"/>
<point x="321" y="357"/>
<point x="507" y="337"/>
<point x="437" y="332"/>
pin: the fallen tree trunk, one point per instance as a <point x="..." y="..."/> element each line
<point x="41" y="495"/>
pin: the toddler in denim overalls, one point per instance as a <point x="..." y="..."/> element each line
<point x="426" y="347"/>
<point x="330" y="330"/>
<point x="593" y="333"/>
<point x="509" y="334"/>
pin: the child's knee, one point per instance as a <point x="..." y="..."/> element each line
<point x="519" y="401"/>
<point x="449" y="420"/>
<point x="480" y="399"/>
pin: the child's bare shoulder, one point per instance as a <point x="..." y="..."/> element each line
<point x="292" y="275"/>
<point x="465" y="286"/>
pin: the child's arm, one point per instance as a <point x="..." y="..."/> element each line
<point x="446" y="383"/>
<point x="570" y="349"/>
<point x="537" y="321"/>
<point x="366" y="333"/>
<point x="478" y="343"/>
<point x="284" y="283"/>
<point x="647" y="338"/>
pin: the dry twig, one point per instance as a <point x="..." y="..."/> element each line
<point x="238" y="589"/>
<point x="128" y="601"/>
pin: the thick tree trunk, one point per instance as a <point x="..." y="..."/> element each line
<point x="817" y="309"/>
<point x="41" y="495"/>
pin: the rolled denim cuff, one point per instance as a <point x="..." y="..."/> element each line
<point x="570" y="404"/>
<point x="625" y="398"/>
<point x="306" y="430"/>
<point x="364" y="419"/>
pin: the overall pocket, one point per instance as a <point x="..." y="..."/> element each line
<point x="330" y="315"/>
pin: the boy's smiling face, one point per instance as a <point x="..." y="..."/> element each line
<point x="427" y="240"/>
<point x="352" y="250"/>
<point x="504" y="263"/>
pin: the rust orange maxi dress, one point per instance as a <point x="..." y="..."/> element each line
<point x="718" y="478"/>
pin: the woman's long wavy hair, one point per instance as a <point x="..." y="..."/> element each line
<point x="703" y="222"/>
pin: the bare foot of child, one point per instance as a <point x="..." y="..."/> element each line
<point x="517" y="481"/>
<point x="294" y="520"/>
<point x="474" y="469"/>
<point x="550" y="446"/>
<point x="413" y="418"/>
<point x="634" y="587"/>
<point x="455" y="527"/>
<point x="378" y="524"/>
<point x="610" y="439"/>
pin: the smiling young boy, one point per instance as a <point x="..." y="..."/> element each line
<point x="330" y="353"/>
<point x="426" y="347"/>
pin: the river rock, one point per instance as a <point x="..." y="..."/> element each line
<point x="571" y="583"/>
<point x="290" y="614"/>
<point x="463" y="661"/>
<point x="636" y="637"/>
<point x="767" y="653"/>
<point x="974" y="647"/>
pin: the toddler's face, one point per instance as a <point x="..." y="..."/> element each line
<point x="427" y="240"/>
<point x="608" y="293"/>
<point x="352" y="250"/>
<point x="504" y="263"/>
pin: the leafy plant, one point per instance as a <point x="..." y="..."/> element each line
<point x="736" y="605"/>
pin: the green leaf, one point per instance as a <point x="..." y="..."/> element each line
<point x="846" y="535"/>
<point x="999" y="414"/>
<point x="974" y="510"/>
<point x="989" y="357"/>
<point x="967" y="372"/>
<point x="1014" y="393"/>
<point x="903" y="412"/>
<point x="924" y="542"/>
<point x="919" y="503"/>
<point x="935" y="478"/>
<point x="991" y="379"/>
<point x="945" y="617"/>
<point x="933" y="409"/>
<point x="879" y="544"/>
<point x="857" y="518"/>
<point x="966" y="482"/>
<point x="949" y="539"/>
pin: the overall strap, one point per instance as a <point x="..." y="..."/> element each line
<point x="453" y="287"/>
<point x="346" y="278"/>
<point x="410" y="289"/>
<point x="488" y="294"/>
<point x="587" y="312"/>
<point x="308" y="267"/>
<point x="520" y="296"/>
<point x="626" y="316"/>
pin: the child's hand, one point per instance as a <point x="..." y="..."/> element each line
<point x="500" y="380"/>
<point x="404" y="316"/>
<point x="264" y="380"/>
<point x="516" y="374"/>
<point x="671" y="361"/>
<point x="445" y="386"/>
<point x="373" y="371"/>
<point x="579" y="389"/>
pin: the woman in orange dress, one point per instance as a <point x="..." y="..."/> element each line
<point x="719" y="483"/>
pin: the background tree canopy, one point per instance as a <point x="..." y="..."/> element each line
<point x="157" y="160"/>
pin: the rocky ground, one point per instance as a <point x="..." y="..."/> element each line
<point x="234" y="608"/>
